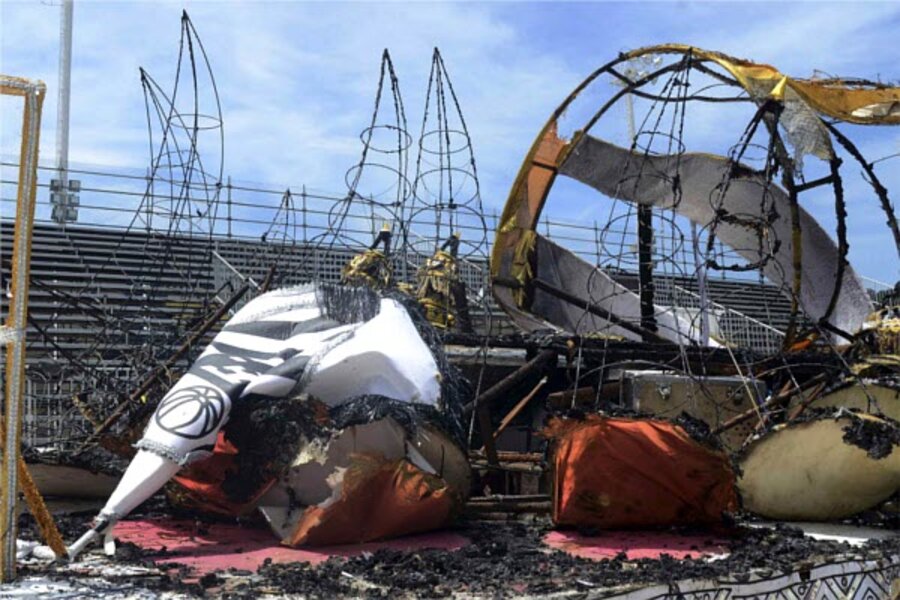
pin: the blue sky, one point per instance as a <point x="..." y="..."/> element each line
<point x="297" y="79"/>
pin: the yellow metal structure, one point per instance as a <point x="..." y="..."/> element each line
<point x="14" y="472"/>
<point x="372" y="267"/>
<point x="854" y="102"/>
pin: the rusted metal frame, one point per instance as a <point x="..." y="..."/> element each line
<point x="160" y="370"/>
<point x="830" y="327"/>
<point x="646" y="334"/>
<point x="461" y="303"/>
<point x="797" y="251"/>
<point x="482" y="404"/>
<point x="15" y="474"/>
<point x="648" y="355"/>
<point x="512" y="208"/>
<point x="483" y="412"/>
<point x="749" y="132"/>
<point x="530" y="162"/>
<point x="840" y="209"/>
<point x="778" y="150"/>
<point x="628" y="89"/>
<point x="645" y="217"/>
<point x="700" y="66"/>
<point x="645" y="267"/>
<point x="567" y="398"/>
<point x="869" y="170"/>
<point x="805" y="187"/>
<point x="814" y="395"/>
<point x="715" y="361"/>
<point x="797" y="259"/>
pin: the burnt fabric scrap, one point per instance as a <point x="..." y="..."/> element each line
<point x="379" y="499"/>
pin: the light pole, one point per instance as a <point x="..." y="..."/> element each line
<point x="63" y="192"/>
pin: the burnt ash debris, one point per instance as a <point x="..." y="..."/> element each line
<point x="503" y="560"/>
<point x="877" y="438"/>
<point x="267" y="433"/>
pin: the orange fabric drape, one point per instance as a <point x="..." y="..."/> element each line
<point x="621" y="473"/>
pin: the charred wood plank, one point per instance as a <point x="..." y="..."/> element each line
<point x="512" y="414"/>
<point x="502" y="387"/>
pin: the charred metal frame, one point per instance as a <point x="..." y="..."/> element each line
<point x="536" y="177"/>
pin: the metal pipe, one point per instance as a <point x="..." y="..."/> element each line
<point x="65" y="80"/>
<point x="700" y="267"/>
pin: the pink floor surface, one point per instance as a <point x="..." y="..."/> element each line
<point x="208" y="547"/>
<point x="635" y="544"/>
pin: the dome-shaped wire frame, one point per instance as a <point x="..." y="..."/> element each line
<point x="787" y="121"/>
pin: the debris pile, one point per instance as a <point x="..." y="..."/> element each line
<point x="339" y="413"/>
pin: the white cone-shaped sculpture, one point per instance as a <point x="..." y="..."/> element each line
<point x="281" y="343"/>
<point x="145" y="475"/>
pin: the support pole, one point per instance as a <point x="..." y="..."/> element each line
<point x="13" y="473"/>
<point x="501" y="388"/>
<point x="645" y="266"/>
<point x="644" y="235"/>
<point x="644" y="230"/>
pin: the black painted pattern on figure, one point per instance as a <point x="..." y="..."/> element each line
<point x="206" y="406"/>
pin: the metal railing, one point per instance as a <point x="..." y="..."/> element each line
<point x="249" y="227"/>
<point x="242" y="211"/>
<point x="726" y="324"/>
<point x="227" y="280"/>
<point x="289" y="221"/>
<point x="879" y="290"/>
